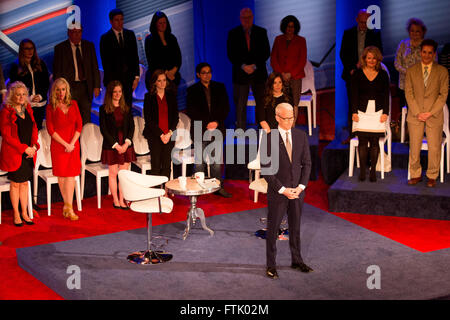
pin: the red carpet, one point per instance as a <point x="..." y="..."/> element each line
<point x="420" y="234"/>
<point x="17" y="284"/>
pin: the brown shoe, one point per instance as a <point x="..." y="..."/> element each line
<point x="68" y="212"/>
<point x="431" y="183"/>
<point x="414" y="181"/>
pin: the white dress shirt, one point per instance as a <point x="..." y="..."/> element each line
<point x="283" y="136"/>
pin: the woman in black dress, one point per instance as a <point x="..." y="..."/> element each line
<point x="370" y="82"/>
<point x="275" y="93"/>
<point x="117" y="128"/>
<point x="32" y="71"/>
<point x="161" y="119"/>
<point x="162" y="51"/>
<point x="19" y="146"/>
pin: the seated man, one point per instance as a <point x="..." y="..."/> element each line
<point x="207" y="103"/>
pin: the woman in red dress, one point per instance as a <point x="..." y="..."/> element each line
<point x="117" y="128"/>
<point x="64" y="125"/>
<point x="19" y="146"/>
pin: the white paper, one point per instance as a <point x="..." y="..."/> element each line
<point x="369" y="121"/>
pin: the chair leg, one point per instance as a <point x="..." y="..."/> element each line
<point x="78" y="193"/>
<point x="351" y="161"/>
<point x="30" y="201"/>
<point x="255" y="197"/>
<point x="183" y="168"/>
<point x="309" y="120"/>
<point x="82" y="182"/>
<point x="49" y="197"/>
<point x="314" y="112"/>
<point x="35" y="186"/>
<point x="99" y="191"/>
<point x="442" y="164"/>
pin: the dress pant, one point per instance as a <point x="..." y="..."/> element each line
<point x="240" y="97"/>
<point x="214" y="168"/>
<point x="276" y="212"/>
<point x="434" y="140"/>
<point x="80" y="93"/>
<point x="160" y="157"/>
<point x="296" y="92"/>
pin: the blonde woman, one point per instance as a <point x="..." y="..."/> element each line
<point x="117" y="128"/>
<point x="64" y="125"/>
<point x="370" y="82"/>
<point x="19" y="146"/>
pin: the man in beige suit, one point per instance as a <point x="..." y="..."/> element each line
<point x="426" y="90"/>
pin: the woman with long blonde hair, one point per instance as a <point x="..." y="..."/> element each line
<point x="64" y="125"/>
<point x="117" y="128"/>
<point x="19" y="146"/>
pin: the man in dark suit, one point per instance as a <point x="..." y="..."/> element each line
<point x="287" y="173"/>
<point x="248" y="50"/>
<point x="353" y="43"/>
<point x="207" y="103"/>
<point x="119" y="53"/>
<point x="75" y="60"/>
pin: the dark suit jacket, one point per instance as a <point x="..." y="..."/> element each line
<point x="239" y="54"/>
<point x="197" y="105"/>
<point x="41" y="79"/>
<point x="120" y="64"/>
<point x="151" y="115"/>
<point x="110" y="131"/>
<point x="64" y="65"/>
<point x="349" y="48"/>
<point x="289" y="175"/>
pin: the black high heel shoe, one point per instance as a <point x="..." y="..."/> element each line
<point x="30" y="223"/>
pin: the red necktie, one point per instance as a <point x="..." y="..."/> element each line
<point x="247" y="37"/>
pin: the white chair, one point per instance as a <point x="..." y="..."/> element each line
<point x="387" y="139"/>
<point x="5" y="186"/>
<point x="309" y="101"/>
<point x="403" y="125"/>
<point x="43" y="158"/>
<point x="444" y="146"/>
<point x="91" y="141"/>
<point x="259" y="184"/>
<point x="137" y="189"/>
<point x="183" y="141"/>
<point x="140" y="90"/>
<point x="141" y="146"/>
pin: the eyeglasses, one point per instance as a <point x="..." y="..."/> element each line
<point x="285" y="119"/>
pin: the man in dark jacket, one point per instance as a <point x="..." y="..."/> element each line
<point x="207" y="103"/>
<point x="248" y="50"/>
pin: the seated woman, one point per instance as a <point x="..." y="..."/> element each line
<point x="117" y="128"/>
<point x="275" y="93"/>
<point x="370" y="82"/>
<point x="19" y="146"/>
<point x="32" y="71"/>
<point x="161" y="119"/>
<point x="64" y="125"/>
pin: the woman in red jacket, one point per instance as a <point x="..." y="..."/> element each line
<point x="64" y="125"/>
<point x="19" y="145"/>
<point x="288" y="57"/>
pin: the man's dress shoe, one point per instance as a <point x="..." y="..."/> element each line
<point x="414" y="181"/>
<point x="272" y="273"/>
<point x="301" y="267"/>
<point x="431" y="183"/>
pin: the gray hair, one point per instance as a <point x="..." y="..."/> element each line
<point x="285" y="106"/>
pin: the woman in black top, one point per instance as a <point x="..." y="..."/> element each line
<point x="370" y="82"/>
<point x="32" y="71"/>
<point x="161" y="119"/>
<point x="117" y="128"/>
<point x="275" y="93"/>
<point x="162" y="51"/>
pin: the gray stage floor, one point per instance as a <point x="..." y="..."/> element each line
<point x="347" y="260"/>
